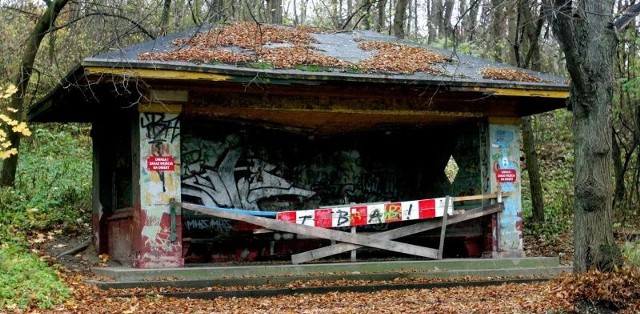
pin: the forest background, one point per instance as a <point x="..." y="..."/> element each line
<point x="50" y="191"/>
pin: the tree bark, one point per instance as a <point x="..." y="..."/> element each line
<point x="588" y="42"/>
<point x="380" y="24"/>
<point x="446" y="22"/>
<point x="498" y="29"/>
<point x="399" y="18"/>
<point x="435" y="17"/>
<point x="164" y="22"/>
<point x="275" y="11"/>
<point x="531" y="29"/>
<point x="533" y="169"/>
<point x="43" y="25"/>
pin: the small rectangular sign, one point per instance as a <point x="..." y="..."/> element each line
<point x="160" y="163"/>
<point x="506" y="175"/>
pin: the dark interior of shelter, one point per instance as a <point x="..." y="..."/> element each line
<point x="271" y="169"/>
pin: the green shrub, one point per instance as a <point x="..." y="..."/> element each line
<point x="53" y="182"/>
<point x="26" y="281"/>
<point x="631" y="253"/>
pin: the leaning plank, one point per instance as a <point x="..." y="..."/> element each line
<point x="330" y="234"/>
<point x="443" y="229"/>
<point x="396" y="233"/>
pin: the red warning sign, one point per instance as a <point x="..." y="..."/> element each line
<point x="506" y="175"/>
<point x="161" y="163"/>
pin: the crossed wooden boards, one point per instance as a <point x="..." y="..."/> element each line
<point x="351" y="241"/>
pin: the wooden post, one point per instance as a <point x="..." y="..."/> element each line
<point x="353" y="252"/>
<point x="443" y="229"/>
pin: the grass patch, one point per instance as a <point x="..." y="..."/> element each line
<point x="26" y="281"/>
<point x="631" y="253"/>
<point x="52" y="192"/>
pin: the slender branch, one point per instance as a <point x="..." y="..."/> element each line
<point x="627" y="16"/>
<point x="21" y="11"/>
<point x="365" y="5"/>
<point x="136" y="24"/>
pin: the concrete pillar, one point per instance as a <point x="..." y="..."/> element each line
<point x="158" y="234"/>
<point x="504" y="176"/>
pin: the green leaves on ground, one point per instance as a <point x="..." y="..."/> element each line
<point x="26" y="281"/>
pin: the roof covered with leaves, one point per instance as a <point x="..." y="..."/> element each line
<point x="246" y="49"/>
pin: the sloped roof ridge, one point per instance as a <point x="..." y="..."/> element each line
<point x="342" y="45"/>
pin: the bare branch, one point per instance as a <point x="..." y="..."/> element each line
<point x="627" y="16"/>
<point x="135" y="24"/>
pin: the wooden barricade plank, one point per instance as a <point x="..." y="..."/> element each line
<point x="397" y="233"/>
<point x="329" y="234"/>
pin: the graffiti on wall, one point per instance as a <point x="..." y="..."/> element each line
<point x="224" y="174"/>
<point x="160" y="183"/>
<point x="504" y="166"/>
<point x="161" y="131"/>
<point x="505" y="155"/>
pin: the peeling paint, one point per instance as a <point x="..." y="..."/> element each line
<point x="505" y="155"/>
<point x="159" y="137"/>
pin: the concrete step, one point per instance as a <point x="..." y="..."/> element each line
<point x="238" y="275"/>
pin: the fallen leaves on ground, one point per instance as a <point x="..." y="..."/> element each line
<point x="507" y="298"/>
<point x="619" y="290"/>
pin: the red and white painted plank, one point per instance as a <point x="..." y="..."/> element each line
<point x="368" y="214"/>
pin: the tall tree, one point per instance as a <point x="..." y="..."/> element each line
<point x="434" y="20"/>
<point x="527" y="43"/>
<point x="44" y="24"/>
<point x="399" y="18"/>
<point x="498" y="29"/>
<point x="381" y="15"/>
<point x="166" y="14"/>
<point x="587" y="34"/>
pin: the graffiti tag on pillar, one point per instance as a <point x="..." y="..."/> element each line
<point x="160" y="128"/>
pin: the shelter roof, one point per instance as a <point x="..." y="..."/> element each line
<point x="248" y="53"/>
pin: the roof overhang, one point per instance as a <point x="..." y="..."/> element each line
<point x="391" y="99"/>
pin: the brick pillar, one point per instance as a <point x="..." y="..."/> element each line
<point x="158" y="226"/>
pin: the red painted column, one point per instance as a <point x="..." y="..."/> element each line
<point x="158" y="225"/>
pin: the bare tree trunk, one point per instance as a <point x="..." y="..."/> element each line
<point x="472" y="19"/>
<point x="585" y="36"/>
<point x="43" y="25"/>
<point x="415" y="19"/>
<point x="435" y="20"/>
<point x="447" y="28"/>
<point x="274" y="8"/>
<point x="531" y="29"/>
<point x="164" y="22"/>
<point x="498" y="29"/>
<point x="380" y="24"/>
<point x="399" y="18"/>
<point x="533" y="169"/>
